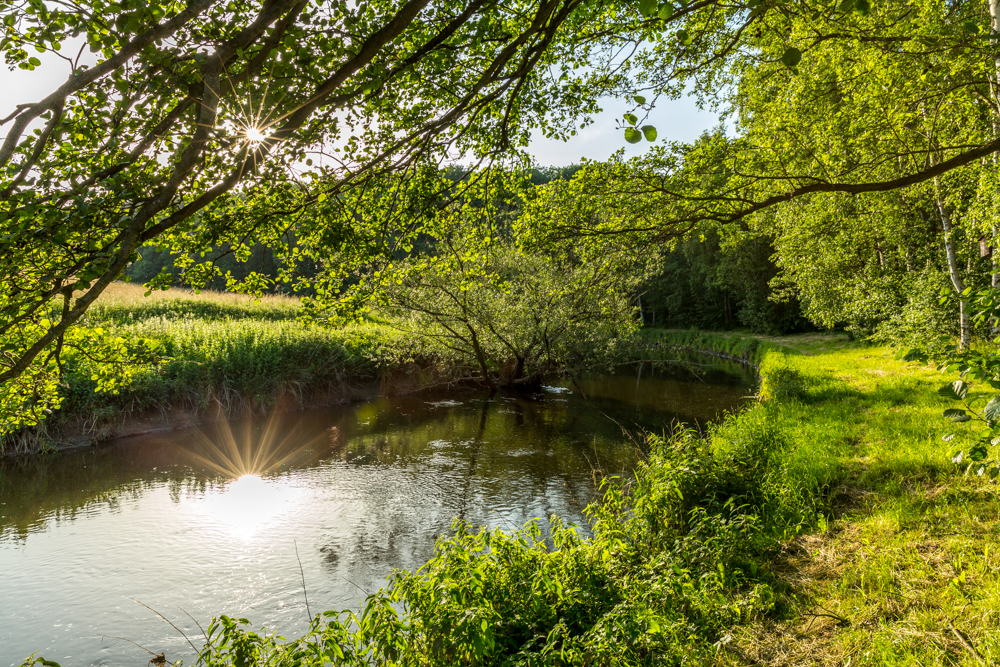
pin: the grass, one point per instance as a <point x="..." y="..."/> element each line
<point x="903" y="570"/>
<point x="745" y="346"/>
<point x="899" y="564"/>
<point x="217" y="352"/>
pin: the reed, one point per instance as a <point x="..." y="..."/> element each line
<point x="225" y="353"/>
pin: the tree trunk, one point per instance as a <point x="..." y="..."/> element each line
<point x="480" y="356"/>
<point x="964" y="319"/>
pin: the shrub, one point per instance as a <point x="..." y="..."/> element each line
<point x="779" y="379"/>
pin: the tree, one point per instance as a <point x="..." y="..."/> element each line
<point x="513" y="315"/>
<point x="209" y="124"/>
<point x="835" y="108"/>
<point x="871" y="75"/>
<point x="711" y="281"/>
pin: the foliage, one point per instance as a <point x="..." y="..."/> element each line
<point x="862" y="172"/>
<point x="513" y="315"/>
<point x="779" y="378"/>
<point x="973" y="447"/>
<point x="210" y="350"/>
<point x="710" y="283"/>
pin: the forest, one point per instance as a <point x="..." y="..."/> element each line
<point x="230" y="209"/>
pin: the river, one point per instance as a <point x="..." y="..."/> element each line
<point x="202" y="522"/>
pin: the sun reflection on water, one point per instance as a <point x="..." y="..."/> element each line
<point x="248" y="504"/>
<point x="254" y="495"/>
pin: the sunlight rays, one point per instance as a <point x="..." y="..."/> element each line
<point x="252" y="495"/>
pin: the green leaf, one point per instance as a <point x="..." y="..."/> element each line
<point x="639" y="99"/>
<point x="791" y="57"/>
<point x="862" y="7"/>
<point x="948" y="438"/>
<point x="632" y="135"/>
<point x="992" y="410"/>
<point x="649" y="132"/>
<point x="632" y="120"/>
<point x="954" y="412"/>
<point x="956" y="390"/>
<point x="961" y="418"/>
<point x="978" y="453"/>
<point x="647" y="8"/>
<point x="666" y="11"/>
<point x="683" y="37"/>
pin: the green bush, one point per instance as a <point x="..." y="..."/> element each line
<point x="779" y="379"/>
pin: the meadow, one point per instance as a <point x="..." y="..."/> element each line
<point x="213" y="352"/>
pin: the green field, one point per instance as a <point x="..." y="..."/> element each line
<point x="215" y="351"/>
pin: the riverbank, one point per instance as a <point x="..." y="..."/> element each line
<point x="825" y="525"/>
<point x="218" y="355"/>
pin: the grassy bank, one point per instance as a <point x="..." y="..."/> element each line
<point x="217" y="352"/>
<point x="824" y="525"/>
<point x="745" y="347"/>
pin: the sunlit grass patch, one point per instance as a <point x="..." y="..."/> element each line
<point x="212" y="352"/>
<point x="906" y="573"/>
<point x="123" y="303"/>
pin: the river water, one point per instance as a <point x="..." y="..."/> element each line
<point x="202" y="522"/>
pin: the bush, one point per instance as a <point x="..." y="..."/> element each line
<point x="779" y="379"/>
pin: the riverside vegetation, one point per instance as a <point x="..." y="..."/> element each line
<point x="825" y="524"/>
<point x="209" y="351"/>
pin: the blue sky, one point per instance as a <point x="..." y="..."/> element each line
<point x="674" y="120"/>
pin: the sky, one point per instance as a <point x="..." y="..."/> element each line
<point x="676" y="120"/>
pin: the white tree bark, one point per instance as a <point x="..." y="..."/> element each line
<point x="964" y="319"/>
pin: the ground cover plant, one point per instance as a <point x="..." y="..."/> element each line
<point x="823" y="525"/>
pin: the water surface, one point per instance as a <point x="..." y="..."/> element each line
<point x="213" y="521"/>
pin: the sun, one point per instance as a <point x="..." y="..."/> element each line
<point x="254" y="135"/>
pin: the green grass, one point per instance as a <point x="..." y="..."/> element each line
<point x="904" y="570"/>
<point x="216" y="352"/>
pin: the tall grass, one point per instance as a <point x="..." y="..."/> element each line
<point x="217" y="352"/>
<point x="123" y="303"/>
